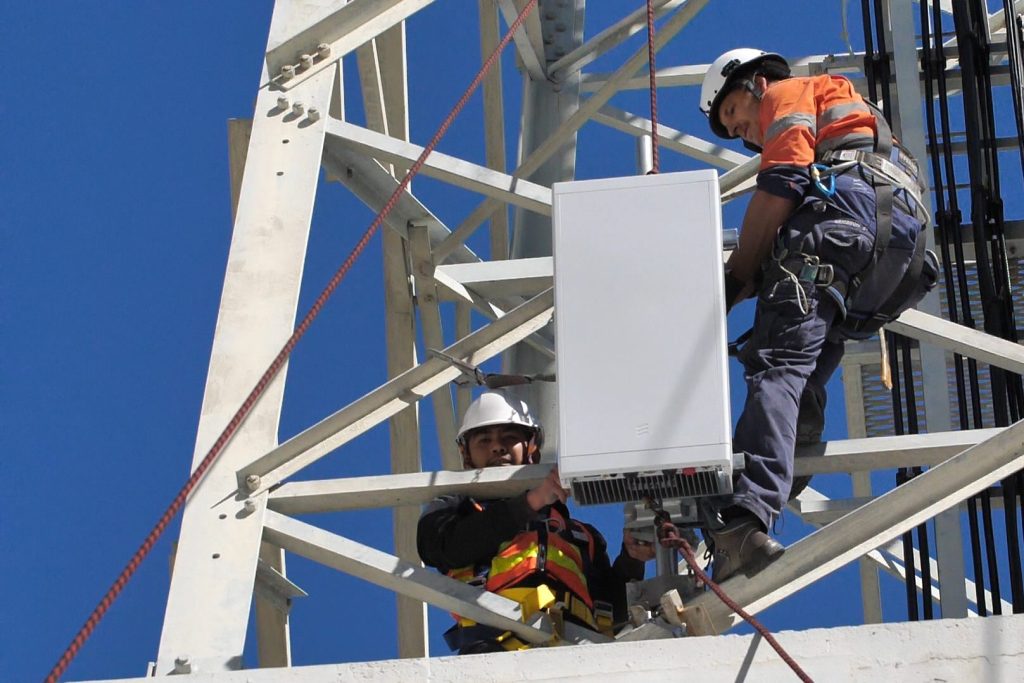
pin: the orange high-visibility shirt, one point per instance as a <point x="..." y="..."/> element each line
<point x="801" y="118"/>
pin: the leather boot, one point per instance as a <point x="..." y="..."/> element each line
<point x="742" y="545"/>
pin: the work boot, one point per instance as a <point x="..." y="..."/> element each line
<point x="741" y="544"/>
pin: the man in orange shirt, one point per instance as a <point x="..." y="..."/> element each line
<point x="833" y="247"/>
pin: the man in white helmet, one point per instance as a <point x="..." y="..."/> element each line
<point x="832" y="244"/>
<point x="517" y="544"/>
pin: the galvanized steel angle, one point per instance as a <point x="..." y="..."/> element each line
<point x="343" y="30"/>
<point x="380" y="404"/>
<point x="402" y="577"/>
<point x="433" y="337"/>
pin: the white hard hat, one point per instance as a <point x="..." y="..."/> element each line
<point x="720" y="74"/>
<point x="497" y="408"/>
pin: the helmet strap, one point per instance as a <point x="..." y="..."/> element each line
<point x="467" y="462"/>
<point x="532" y="451"/>
<point x="752" y="88"/>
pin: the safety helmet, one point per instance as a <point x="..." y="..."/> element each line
<point x="721" y="73"/>
<point x="497" y="408"/>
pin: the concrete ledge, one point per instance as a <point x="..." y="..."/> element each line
<point x="977" y="649"/>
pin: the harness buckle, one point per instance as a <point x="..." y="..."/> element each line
<point x="814" y="271"/>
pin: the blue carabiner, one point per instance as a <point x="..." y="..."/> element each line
<point x="816" y="171"/>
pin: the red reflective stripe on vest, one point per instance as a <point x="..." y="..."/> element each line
<point x="574" y="528"/>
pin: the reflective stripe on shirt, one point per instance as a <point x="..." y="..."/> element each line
<point x="785" y="122"/>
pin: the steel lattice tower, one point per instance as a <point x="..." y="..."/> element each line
<point x="239" y="524"/>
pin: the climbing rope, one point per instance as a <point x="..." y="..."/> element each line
<point x="655" y="163"/>
<point x="670" y="537"/>
<point x="275" y="366"/>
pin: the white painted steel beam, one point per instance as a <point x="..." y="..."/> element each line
<point x="342" y="30"/>
<point x="453" y="290"/>
<point x="433" y="337"/>
<point x="828" y="510"/>
<point x="450" y="169"/>
<point x="527" y="39"/>
<point x="360" y="493"/>
<point x="739" y="179"/>
<point x="369" y="181"/>
<point x="404" y="433"/>
<point x="997" y="20"/>
<point x="239" y="133"/>
<point x="567" y="129"/>
<point x="884" y="452"/>
<point x="468" y="226"/>
<point x="496" y="279"/>
<point x="669" y="138"/>
<point x="383" y="77"/>
<point x="959" y="339"/>
<point x="273" y="631"/>
<point x="600" y="98"/>
<point x="875" y="524"/>
<point x="892" y="556"/>
<point x="996" y="23"/>
<point x="402" y="577"/>
<point x="494" y="125"/>
<point x="693" y="74"/>
<point x="870" y="586"/>
<point x="463" y="392"/>
<point x="631" y="24"/>
<point x="391" y="397"/>
<point x="888" y="558"/>
<point x="373" y="185"/>
<point x="853" y="455"/>
<point x="273" y="637"/>
<point x="209" y="600"/>
<point x="667" y="77"/>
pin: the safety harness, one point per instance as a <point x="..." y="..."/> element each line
<point x="544" y="567"/>
<point x="865" y="318"/>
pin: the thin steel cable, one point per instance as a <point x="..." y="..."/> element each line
<point x="669" y="535"/>
<point x="655" y="161"/>
<point x="275" y="366"/>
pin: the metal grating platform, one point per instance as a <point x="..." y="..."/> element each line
<point x="878" y="401"/>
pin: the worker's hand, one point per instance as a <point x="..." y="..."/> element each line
<point x="549" y="491"/>
<point x="638" y="550"/>
<point x="736" y="290"/>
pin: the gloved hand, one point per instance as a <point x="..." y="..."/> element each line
<point x="733" y="288"/>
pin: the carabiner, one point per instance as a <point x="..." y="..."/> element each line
<point x="819" y="170"/>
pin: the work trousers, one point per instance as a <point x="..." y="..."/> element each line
<point x="790" y="350"/>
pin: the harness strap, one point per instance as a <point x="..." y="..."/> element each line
<point x="908" y="284"/>
<point x="883" y="192"/>
<point x="883" y="209"/>
<point x="880" y="169"/>
<point x="909" y="281"/>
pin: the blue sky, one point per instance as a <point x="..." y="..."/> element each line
<point x="116" y="226"/>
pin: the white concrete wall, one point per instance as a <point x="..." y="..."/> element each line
<point x="961" y="650"/>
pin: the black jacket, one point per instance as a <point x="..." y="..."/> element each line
<point x="456" y="532"/>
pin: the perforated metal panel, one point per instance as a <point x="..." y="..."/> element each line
<point x="877" y="400"/>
